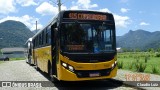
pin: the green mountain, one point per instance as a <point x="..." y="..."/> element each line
<point x="13" y="34"/>
<point x="139" y="39"/>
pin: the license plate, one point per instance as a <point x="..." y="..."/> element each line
<point x="94" y="74"/>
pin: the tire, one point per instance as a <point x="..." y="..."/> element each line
<point x="26" y="62"/>
<point x="51" y="77"/>
<point x="29" y="60"/>
<point x="37" y="68"/>
<point x="7" y="59"/>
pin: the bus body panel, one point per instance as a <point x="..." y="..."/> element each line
<point x="88" y="66"/>
<point x="43" y="56"/>
<point x="66" y="75"/>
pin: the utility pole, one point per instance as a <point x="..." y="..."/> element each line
<point x="59" y="5"/>
<point x="36" y="26"/>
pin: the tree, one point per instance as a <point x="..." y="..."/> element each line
<point x="137" y="50"/>
<point x="0" y="52"/>
<point x="150" y="50"/>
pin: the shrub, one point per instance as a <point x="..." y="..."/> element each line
<point x="146" y="59"/>
<point x="140" y="67"/>
<point x="131" y="65"/>
<point x="136" y="58"/>
<point x="157" y="54"/>
<point x="120" y="64"/>
<point x="154" y="70"/>
<point x="130" y="55"/>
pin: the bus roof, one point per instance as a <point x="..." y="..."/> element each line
<point x="95" y="11"/>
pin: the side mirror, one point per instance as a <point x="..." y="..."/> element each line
<point x="55" y="29"/>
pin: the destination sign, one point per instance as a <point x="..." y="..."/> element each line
<point x="87" y="16"/>
<point x="75" y="47"/>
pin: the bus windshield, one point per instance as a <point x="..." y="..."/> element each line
<point x="87" y="37"/>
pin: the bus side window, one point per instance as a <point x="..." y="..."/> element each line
<point x="42" y="34"/>
<point x="44" y="38"/>
<point x="53" y="32"/>
<point x="48" y="36"/>
<point x="36" y="42"/>
<point x="41" y="40"/>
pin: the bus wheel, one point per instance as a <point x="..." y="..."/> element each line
<point x="37" y="68"/>
<point x="7" y="59"/>
<point x="29" y="61"/>
<point x="52" y="78"/>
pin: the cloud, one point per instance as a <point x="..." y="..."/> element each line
<point x="121" y="21"/>
<point x="144" y="24"/>
<point x="124" y="10"/>
<point x="39" y="26"/>
<point x="26" y="19"/>
<point x="86" y="4"/>
<point x="74" y="8"/>
<point x="63" y="7"/>
<point x="47" y="9"/>
<point x="26" y="2"/>
<point x="83" y="4"/>
<point x="105" y="10"/>
<point x="141" y="12"/>
<point x="7" y="6"/>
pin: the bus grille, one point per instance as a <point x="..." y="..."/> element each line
<point x="87" y="73"/>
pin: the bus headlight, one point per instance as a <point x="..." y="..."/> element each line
<point x="67" y="66"/>
<point x="114" y="64"/>
<point x="64" y="65"/>
<point x="71" y="68"/>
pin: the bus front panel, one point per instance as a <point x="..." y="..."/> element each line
<point x="74" y="71"/>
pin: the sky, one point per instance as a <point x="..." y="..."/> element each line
<point x="128" y="14"/>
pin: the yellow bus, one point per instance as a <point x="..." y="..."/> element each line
<point x="77" y="45"/>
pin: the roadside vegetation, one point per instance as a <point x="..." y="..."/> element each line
<point x="1" y="62"/>
<point x="0" y="52"/>
<point x="15" y="59"/>
<point x="148" y="62"/>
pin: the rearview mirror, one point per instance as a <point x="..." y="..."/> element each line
<point x="55" y="29"/>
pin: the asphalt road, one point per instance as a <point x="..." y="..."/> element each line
<point x="16" y="71"/>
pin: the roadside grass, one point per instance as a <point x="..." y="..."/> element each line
<point x="13" y="59"/>
<point x="140" y="62"/>
<point x="1" y="62"/>
<point x="16" y="59"/>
